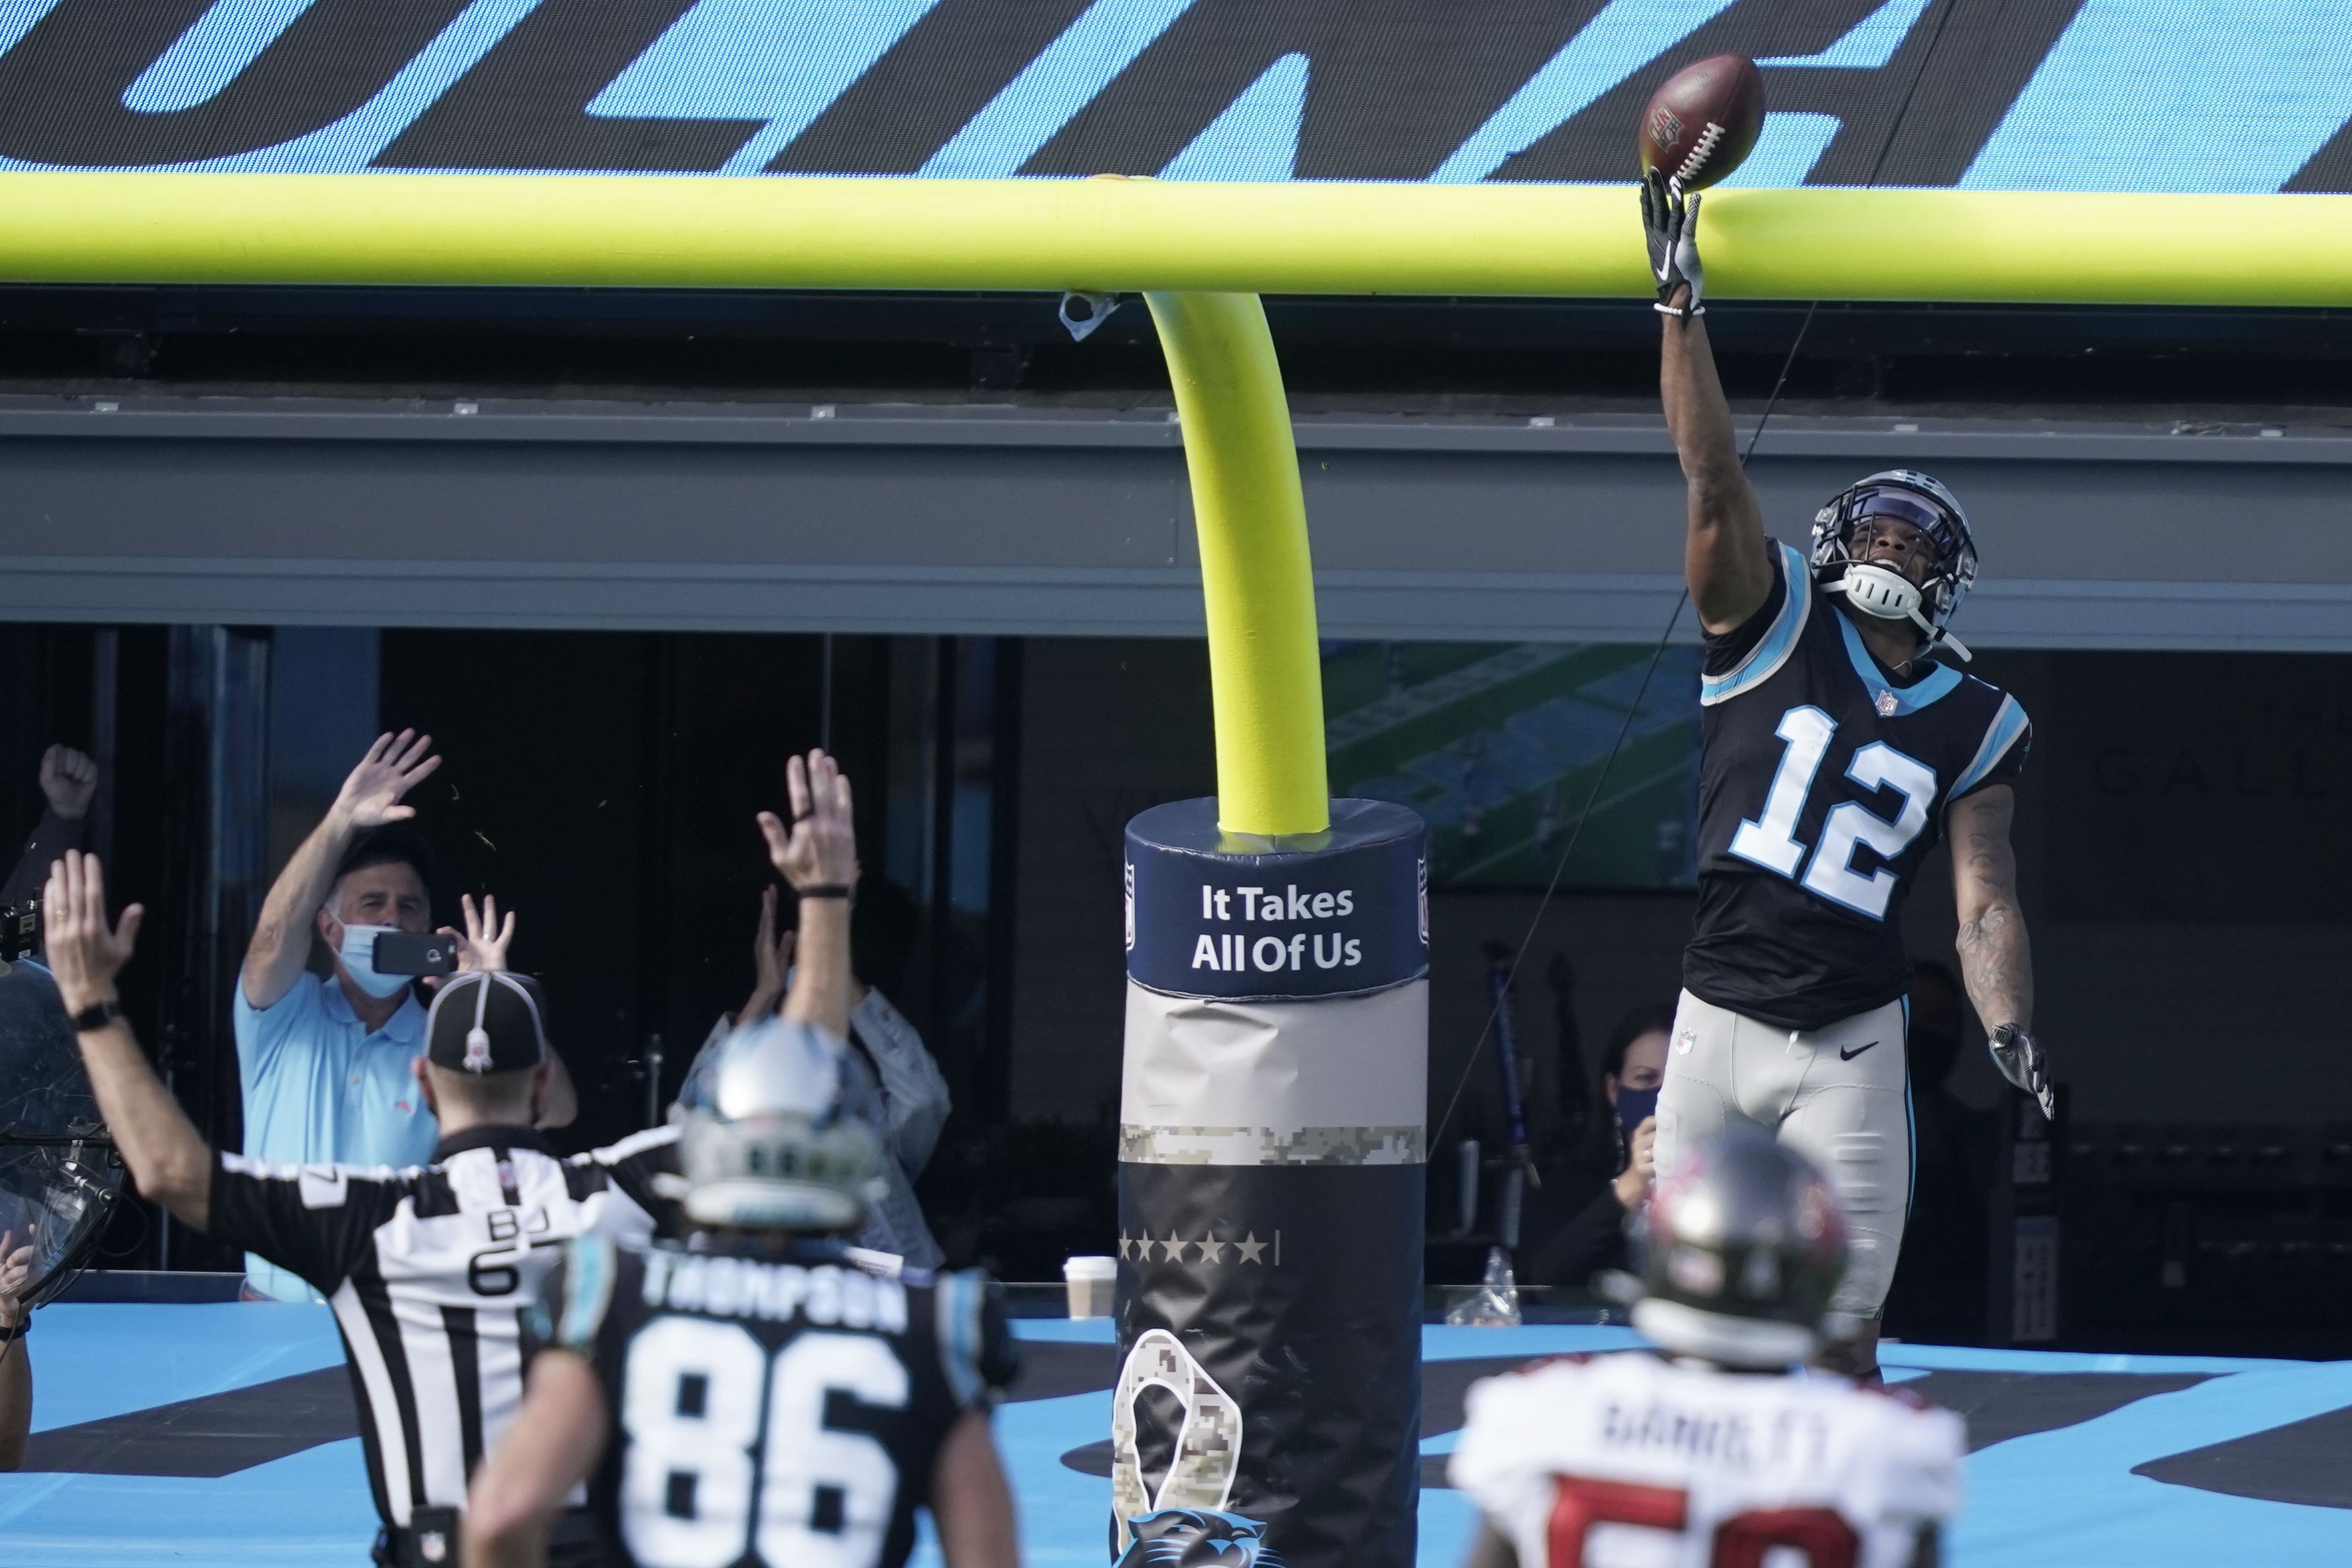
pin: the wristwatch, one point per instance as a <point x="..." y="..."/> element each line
<point x="98" y="1014"/>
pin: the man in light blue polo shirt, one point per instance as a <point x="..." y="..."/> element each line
<point x="329" y="1065"/>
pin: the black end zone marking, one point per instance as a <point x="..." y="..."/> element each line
<point x="1999" y="1406"/>
<point x="216" y="1436"/>
<point x="2306" y="1461"/>
<point x="1050" y="1370"/>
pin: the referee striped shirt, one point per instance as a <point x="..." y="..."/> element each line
<point x="429" y="1272"/>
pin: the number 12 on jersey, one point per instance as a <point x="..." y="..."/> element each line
<point x="1770" y="839"/>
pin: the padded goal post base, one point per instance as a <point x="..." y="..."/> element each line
<point x="1271" y="1180"/>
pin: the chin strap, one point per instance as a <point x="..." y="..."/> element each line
<point x="1889" y="595"/>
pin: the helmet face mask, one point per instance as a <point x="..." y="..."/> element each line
<point x="1925" y="504"/>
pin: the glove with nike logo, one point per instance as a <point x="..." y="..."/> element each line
<point x="2021" y="1059"/>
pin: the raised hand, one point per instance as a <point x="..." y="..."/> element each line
<point x="820" y="848"/>
<point x="395" y="765"/>
<point x="1670" y="223"/>
<point x="68" y="779"/>
<point x="84" y="952"/>
<point x="771" y="960"/>
<point x="483" y="945"/>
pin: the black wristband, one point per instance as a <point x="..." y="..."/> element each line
<point x="98" y="1014"/>
<point x="24" y="1326"/>
<point x="823" y="890"/>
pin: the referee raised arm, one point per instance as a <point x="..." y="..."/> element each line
<point x="426" y="1268"/>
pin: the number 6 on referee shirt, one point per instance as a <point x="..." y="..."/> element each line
<point x="693" y="1414"/>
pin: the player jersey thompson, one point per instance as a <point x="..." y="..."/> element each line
<point x="1822" y="785"/>
<point x="771" y="1414"/>
<point x="1630" y="1461"/>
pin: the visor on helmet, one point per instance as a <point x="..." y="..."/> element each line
<point x="1898" y="504"/>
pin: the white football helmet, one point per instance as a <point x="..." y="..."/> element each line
<point x="768" y="1148"/>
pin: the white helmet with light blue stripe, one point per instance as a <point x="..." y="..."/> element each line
<point x="1923" y="502"/>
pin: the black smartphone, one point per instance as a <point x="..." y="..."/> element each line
<point x="416" y="953"/>
<point x="20" y="930"/>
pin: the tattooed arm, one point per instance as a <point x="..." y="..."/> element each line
<point x="1995" y="962"/>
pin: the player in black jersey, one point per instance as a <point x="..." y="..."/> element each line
<point x="763" y="1397"/>
<point x="1836" y="746"/>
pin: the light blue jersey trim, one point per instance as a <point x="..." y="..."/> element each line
<point x="1908" y="699"/>
<point x="956" y="1298"/>
<point x="2008" y="724"/>
<point x="1765" y="659"/>
<point x="587" y="1292"/>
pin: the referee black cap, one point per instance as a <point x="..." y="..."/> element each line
<point x="488" y="1023"/>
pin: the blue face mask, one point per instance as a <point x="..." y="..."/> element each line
<point x="1634" y="1106"/>
<point x="358" y="954"/>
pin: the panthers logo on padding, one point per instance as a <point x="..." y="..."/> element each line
<point x="1197" y="1538"/>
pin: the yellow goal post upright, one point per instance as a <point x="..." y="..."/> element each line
<point x="1272" y="1106"/>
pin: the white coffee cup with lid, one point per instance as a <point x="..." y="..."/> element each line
<point x="1091" y="1282"/>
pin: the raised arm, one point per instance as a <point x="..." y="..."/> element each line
<point x="817" y="854"/>
<point x="553" y="1442"/>
<point x="970" y="1501"/>
<point x="167" y="1158"/>
<point x="369" y="798"/>
<point x="482" y="946"/>
<point x="1726" y="559"/>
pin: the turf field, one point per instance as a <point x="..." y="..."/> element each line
<point x="220" y="1436"/>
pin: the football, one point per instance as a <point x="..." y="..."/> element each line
<point x="1703" y="120"/>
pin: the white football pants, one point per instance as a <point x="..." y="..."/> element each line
<point x="1840" y="1096"/>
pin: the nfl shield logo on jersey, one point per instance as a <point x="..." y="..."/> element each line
<point x="1886" y="702"/>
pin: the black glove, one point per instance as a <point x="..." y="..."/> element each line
<point x="1671" y="224"/>
<point x="2021" y="1059"/>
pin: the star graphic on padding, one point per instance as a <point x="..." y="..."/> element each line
<point x="1251" y="1247"/>
<point x="1174" y="1247"/>
<point x="1212" y="1251"/>
<point x="1125" y="1245"/>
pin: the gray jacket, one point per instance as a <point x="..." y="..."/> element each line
<point x="895" y="1087"/>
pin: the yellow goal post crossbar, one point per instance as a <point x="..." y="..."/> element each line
<point x="1121" y="234"/>
<point x="1200" y="253"/>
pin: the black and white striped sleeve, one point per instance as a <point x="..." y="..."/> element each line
<point x="639" y="1168"/>
<point x="319" y="1221"/>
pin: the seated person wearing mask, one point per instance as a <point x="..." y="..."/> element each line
<point x="325" y="1062"/>
<point x="1633" y="1066"/>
